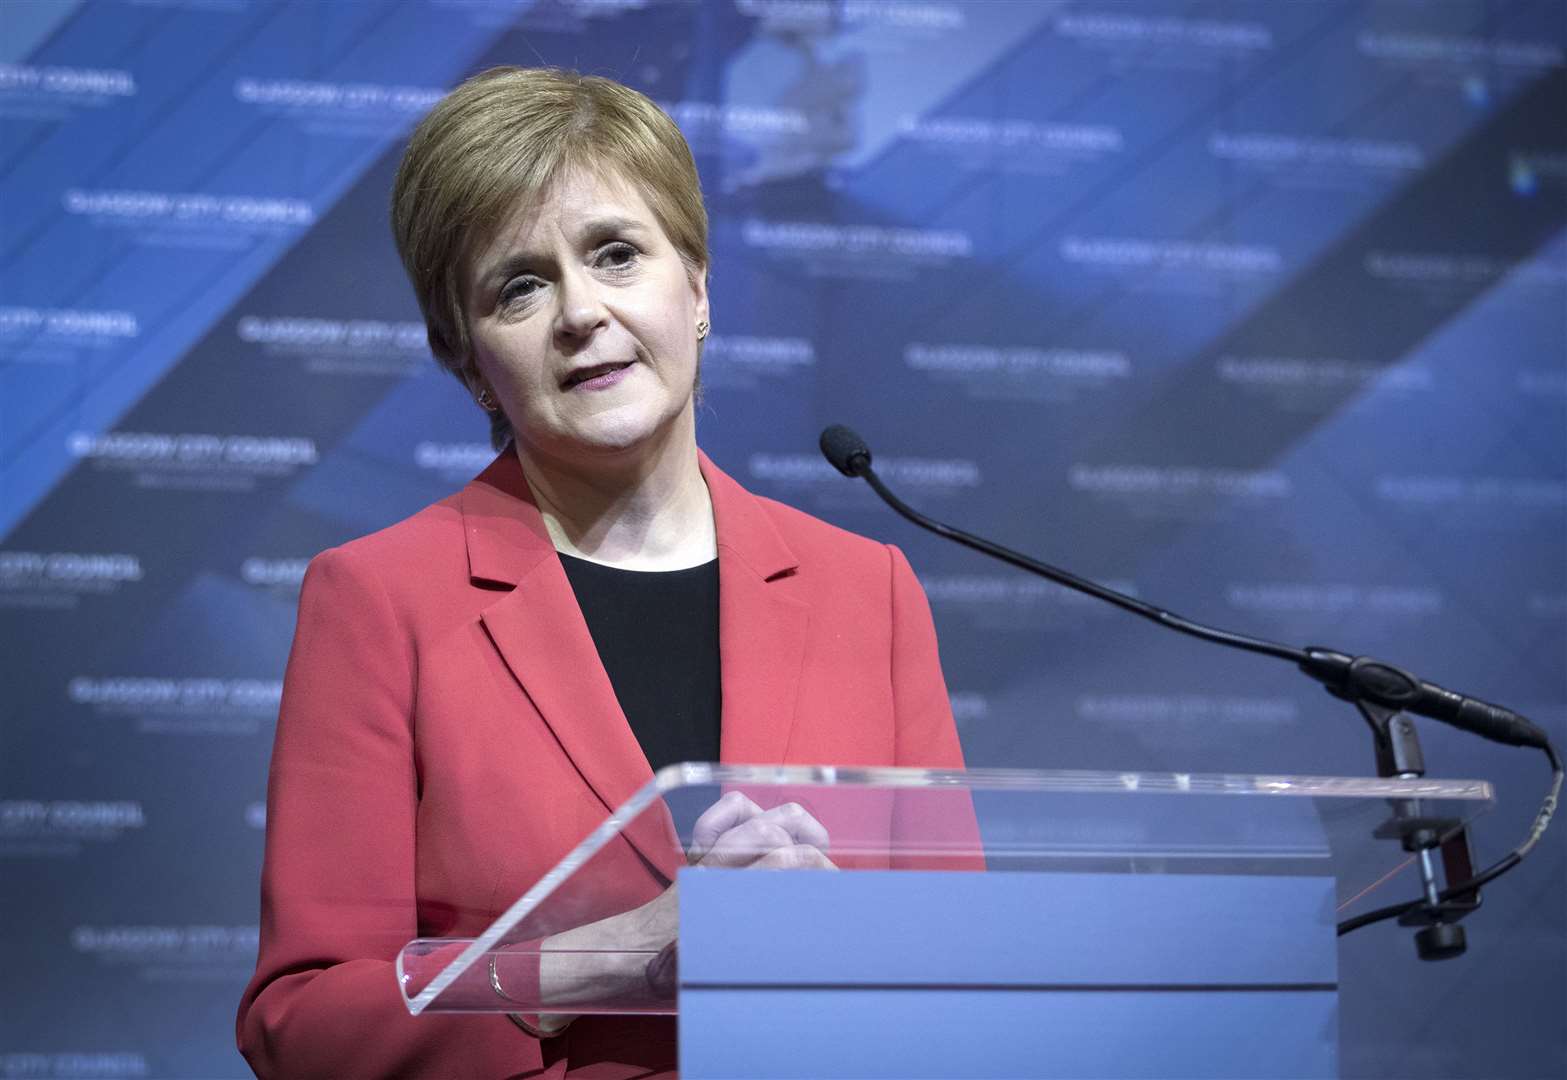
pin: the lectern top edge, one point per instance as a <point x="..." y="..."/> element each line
<point x="687" y="774"/>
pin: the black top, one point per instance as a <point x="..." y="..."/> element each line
<point x="657" y="634"/>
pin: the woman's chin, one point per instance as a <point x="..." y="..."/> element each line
<point x="610" y="440"/>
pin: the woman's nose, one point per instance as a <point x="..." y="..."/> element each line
<point x="580" y="310"/>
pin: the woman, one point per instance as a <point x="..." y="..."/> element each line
<point x="472" y="690"/>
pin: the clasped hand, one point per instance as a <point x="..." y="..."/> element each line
<point x="733" y="833"/>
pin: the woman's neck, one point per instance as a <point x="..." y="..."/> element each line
<point x="649" y="511"/>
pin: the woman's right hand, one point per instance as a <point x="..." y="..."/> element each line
<point x="733" y="833"/>
<point x="736" y="833"/>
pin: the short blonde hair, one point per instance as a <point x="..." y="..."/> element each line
<point x="496" y="142"/>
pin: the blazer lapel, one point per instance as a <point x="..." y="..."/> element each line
<point x="761" y="630"/>
<point x="540" y="633"/>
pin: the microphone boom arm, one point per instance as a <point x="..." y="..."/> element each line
<point x="1381" y="692"/>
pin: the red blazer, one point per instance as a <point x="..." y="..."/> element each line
<point x="447" y="734"/>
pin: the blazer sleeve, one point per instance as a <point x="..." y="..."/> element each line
<point x="338" y="895"/>
<point x="926" y="734"/>
<point x="942" y="819"/>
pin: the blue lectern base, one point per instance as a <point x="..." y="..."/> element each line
<point x="911" y="974"/>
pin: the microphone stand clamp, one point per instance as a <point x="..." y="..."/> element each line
<point x="1398" y="755"/>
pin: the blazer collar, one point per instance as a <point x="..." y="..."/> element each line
<point x="506" y="538"/>
<point x="540" y="633"/>
<point x="502" y="526"/>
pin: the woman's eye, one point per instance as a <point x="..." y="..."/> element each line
<point x="518" y="288"/>
<point x="617" y="256"/>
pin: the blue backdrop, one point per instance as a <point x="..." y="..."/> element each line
<point x="1255" y="309"/>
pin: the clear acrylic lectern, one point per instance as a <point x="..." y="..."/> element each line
<point x="980" y="923"/>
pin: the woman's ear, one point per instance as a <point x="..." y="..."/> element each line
<point x="698" y="279"/>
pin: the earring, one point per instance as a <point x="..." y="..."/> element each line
<point x="486" y="401"/>
<point x="701" y="329"/>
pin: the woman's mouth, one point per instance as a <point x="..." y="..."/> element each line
<point x="596" y="377"/>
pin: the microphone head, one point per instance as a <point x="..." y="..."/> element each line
<point x="846" y="450"/>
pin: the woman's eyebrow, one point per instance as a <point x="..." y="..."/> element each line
<point x="599" y="228"/>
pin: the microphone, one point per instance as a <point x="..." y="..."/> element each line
<point x="1359" y="678"/>
<point x="845" y="449"/>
